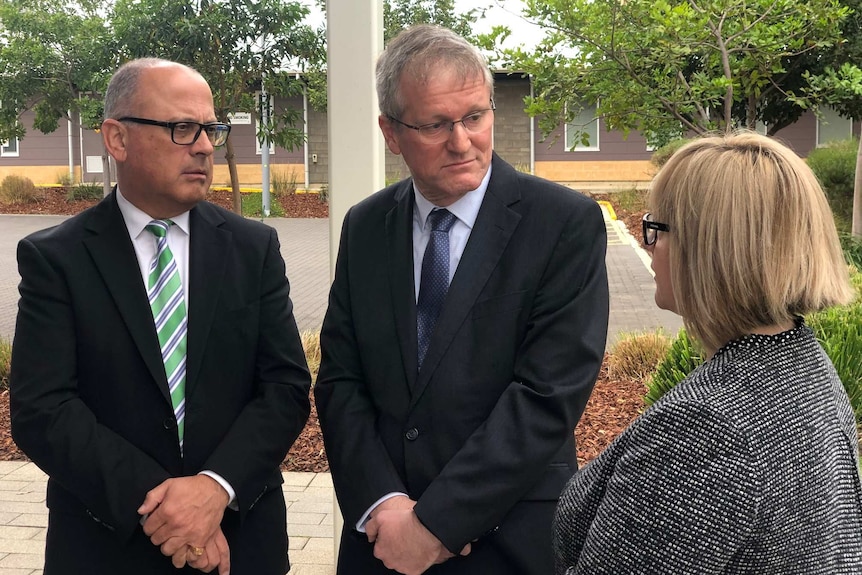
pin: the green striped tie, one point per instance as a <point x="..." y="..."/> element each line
<point x="165" y="292"/>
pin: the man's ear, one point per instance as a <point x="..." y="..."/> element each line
<point x="115" y="136"/>
<point x="386" y="126"/>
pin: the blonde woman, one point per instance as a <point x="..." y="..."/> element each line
<point x="750" y="464"/>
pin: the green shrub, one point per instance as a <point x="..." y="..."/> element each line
<point x="64" y="179"/>
<point x="839" y="331"/>
<point x="684" y="355"/>
<point x="5" y="362"/>
<point x="635" y="356"/>
<point x="283" y="183"/>
<point x="663" y="154"/>
<point x="323" y="194"/>
<point x="852" y="248"/>
<point x="835" y="167"/>
<point x="85" y="191"/>
<point x="18" y="190"/>
<point x="631" y="199"/>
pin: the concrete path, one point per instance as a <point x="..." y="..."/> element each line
<point x="309" y="496"/>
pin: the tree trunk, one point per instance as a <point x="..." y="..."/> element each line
<point x="856" y="229"/>
<point x="234" y="177"/>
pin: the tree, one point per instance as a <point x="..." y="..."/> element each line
<point x="401" y="14"/>
<point x="667" y="67"/>
<point x="239" y="46"/>
<point x="55" y="58"/>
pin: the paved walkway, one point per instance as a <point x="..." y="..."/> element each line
<point x="309" y="496"/>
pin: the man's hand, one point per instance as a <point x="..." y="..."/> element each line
<point x="183" y="512"/>
<point x="402" y="543"/>
<point x="216" y="553"/>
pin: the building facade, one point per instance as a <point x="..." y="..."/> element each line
<point x="609" y="161"/>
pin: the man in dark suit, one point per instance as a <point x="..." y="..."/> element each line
<point x="162" y="448"/>
<point x="457" y="363"/>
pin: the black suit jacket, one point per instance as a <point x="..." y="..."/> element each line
<point x="90" y="402"/>
<point x="486" y="427"/>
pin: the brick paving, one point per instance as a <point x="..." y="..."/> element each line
<point x="309" y="496"/>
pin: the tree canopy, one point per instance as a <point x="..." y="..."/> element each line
<point x="667" y="67"/>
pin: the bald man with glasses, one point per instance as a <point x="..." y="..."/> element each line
<point x="157" y="373"/>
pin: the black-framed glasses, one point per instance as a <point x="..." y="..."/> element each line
<point x="651" y="229"/>
<point x="438" y="132"/>
<point x="187" y="133"/>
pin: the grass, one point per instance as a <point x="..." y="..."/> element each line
<point x="311" y="345"/>
<point x="636" y="356"/>
<point x="18" y="190"/>
<point x="252" y="206"/>
<point x="5" y="362"/>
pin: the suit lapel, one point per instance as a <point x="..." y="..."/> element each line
<point x="114" y="257"/>
<point x="399" y="248"/>
<point x="209" y="250"/>
<point x="491" y="233"/>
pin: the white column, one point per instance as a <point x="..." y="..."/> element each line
<point x="354" y="36"/>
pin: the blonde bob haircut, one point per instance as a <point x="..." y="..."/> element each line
<point x="752" y="241"/>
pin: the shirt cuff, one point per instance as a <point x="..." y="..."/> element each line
<point x="225" y="485"/>
<point x="360" y="525"/>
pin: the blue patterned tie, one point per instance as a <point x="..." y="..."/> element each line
<point x="435" y="278"/>
<point x="165" y="292"/>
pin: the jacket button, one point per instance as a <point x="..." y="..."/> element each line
<point x="412" y="434"/>
<point x="169" y="423"/>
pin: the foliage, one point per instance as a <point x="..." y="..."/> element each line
<point x="252" y="207"/>
<point x="662" y="155"/>
<point x="852" y="248"/>
<point x="839" y="331"/>
<point x="18" y="190"/>
<point x="835" y="167"/>
<point x="64" y="179"/>
<point x="311" y="345"/>
<point x="323" y="193"/>
<point x="283" y="183"/>
<point x="631" y="199"/>
<point x="684" y="355"/>
<point x="85" y="191"/>
<point x="5" y="363"/>
<point x="635" y="356"/>
<point x="239" y="46"/>
<point x="53" y="60"/>
<point x="669" y="66"/>
<point x="401" y="14"/>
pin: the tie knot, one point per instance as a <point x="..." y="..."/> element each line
<point x="159" y="228"/>
<point x="441" y="220"/>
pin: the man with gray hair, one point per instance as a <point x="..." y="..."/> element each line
<point x="465" y="330"/>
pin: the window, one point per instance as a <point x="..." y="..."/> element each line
<point x="586" y="122"/>
<point x="831" y="126"/>
<point x="9" y="149"/>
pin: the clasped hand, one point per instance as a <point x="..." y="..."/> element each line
<point x="184" y="513"/>
<point x="400" y="540"/>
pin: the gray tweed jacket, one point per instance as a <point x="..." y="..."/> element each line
<point x="749" y="465"/>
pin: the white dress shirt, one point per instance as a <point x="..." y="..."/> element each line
<point x="466" y="209"/>
<point x="144" y="243"/>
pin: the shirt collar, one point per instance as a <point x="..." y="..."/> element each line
<point x="136" y="219"/>
<point x="466" y="209"/>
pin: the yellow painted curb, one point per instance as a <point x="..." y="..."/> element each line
<point x="258" y="190"/>
<point x="609" y="208"/>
